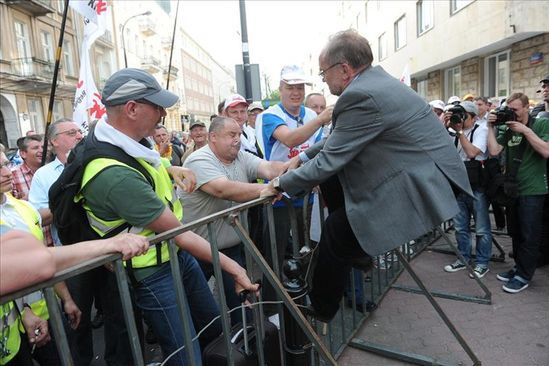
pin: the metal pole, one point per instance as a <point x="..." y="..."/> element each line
<point x="171" y="53"/>
<point x="245" y="52"/>
<point x="57" y="327"/>
<point x="123" y="40"/>
<point x="54" y="80"/>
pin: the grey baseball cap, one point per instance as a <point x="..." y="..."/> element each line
<point x="469" y="107"/>
<point x="132" y="84"/>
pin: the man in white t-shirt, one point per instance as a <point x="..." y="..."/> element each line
<point x="223" y="172"/>
<point x="471" y="140"/>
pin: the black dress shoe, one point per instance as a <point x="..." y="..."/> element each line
<point x="364" y="263"/>
<point x="97" y="321"/>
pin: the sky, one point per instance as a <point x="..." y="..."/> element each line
<point x="279" y="32"/>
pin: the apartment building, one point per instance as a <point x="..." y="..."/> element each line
<point x="455" y="47"/>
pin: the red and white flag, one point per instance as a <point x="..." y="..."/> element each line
<point x="405" y="78"/>
<point x="87" y="100"/>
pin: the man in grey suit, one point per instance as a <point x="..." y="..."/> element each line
<point x="394" y="161"/>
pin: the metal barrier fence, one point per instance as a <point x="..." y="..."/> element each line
<point x="323" y="345"/>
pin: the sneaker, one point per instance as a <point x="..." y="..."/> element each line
<point x="514" y="286"/>
<point x="506" y="276"/>
<point x="454" y="267"/>
<point x="479" y="271"/>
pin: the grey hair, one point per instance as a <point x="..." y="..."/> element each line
<point x="218" y="123"/>
<point x="350" y="47"/>
<point x="27" y="139"/>
<point x="53" y="129"/>
<point x="2" y="148"/>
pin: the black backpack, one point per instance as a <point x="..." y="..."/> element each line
<point x="69" y="217"/>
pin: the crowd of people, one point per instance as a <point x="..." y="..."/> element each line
<point x="375" y="162"/>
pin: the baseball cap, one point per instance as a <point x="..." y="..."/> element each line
<point x="437" y="103"/>
<point x="293" y="74"/>
<point x="255" y="105"/>
<point x="453" y="99"/>
<point x="545" y="79"/>
<point x="469" y="107"/>
<point x="131" y="84"/>
<point x="196" y="123"/>
<point x="468" y="96"/>
<point x="234" y="99"/>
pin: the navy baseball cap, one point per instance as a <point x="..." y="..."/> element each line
<point x="133" y="84"/>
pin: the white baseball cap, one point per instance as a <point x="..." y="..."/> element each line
<point x="293" y="75"/>
<point x="437" y="103"/>
<point x="234" y="99"/>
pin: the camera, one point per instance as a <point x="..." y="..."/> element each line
<point x="504" y="114"/>
<point x="458" y="114"/>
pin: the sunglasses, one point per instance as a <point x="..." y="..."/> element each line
<point x="145" y="101"/>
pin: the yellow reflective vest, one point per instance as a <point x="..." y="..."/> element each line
<point x="10" y="340"/>
<point x="163" y="189"/>
<point x="32" y="220"/>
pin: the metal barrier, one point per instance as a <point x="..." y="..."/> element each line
<point x="324" y="348"/>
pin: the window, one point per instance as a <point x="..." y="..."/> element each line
<point x="58" y="111"/>
<point x="104" y="63"/>
<point x="452" y="81"/>
<point x="23" y="48"/>
<point x="457" y="5"/>
<point x="422" y="88"/>
<point x="36" y="115"/>
<point x="425" y="9"/>
<point x="400" y="33"/>
<point x="68" y="63"/>
<point x="47" y="46"/>
<point x="382" y="46"/>
<point x="496" y="74"/>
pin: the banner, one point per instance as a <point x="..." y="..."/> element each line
<point x="87" y="100"/>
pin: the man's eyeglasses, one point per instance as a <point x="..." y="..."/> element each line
<point x="70" y="133"/>
<point x="322" y="73"/>
<point x="145" y="101"/>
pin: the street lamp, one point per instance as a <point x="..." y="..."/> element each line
<point x="123" y="40"/>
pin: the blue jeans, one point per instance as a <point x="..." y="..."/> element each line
<point x="155" y="296"/>
<point x="524" y="223"/>
<point x="359" y="289"/>
<point x="478" y="207"/>
<point x="231" y="297"/>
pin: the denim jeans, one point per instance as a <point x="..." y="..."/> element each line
<point x="231" y="297"/>
<point x="524" y="224"/>
<point x="155" y="296"/>
<point x="478" y="207"/>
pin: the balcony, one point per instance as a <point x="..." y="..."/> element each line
<point x="166" y="43"/>
<point x="173" y="72"/>
<point x="151" y="64"/>
<point x="36" y="8"/>
<point x="147" y="27"/>
<point x="107" y="38"/>
<point x="32" y="68"/>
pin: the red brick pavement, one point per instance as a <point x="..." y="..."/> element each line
<point x="512" y="331"/>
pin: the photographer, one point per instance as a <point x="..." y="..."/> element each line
<point x="519" y="131"/>
<point x="470" y="139"/>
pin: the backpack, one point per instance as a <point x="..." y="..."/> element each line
<point x="69" y="217"/>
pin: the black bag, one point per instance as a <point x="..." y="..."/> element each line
<point x="216" y="353"/>
<point x="503" y="190"/>
<point x="69" y="217"/>
<point x="475" y="173"/>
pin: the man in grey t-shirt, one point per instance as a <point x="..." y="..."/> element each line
<point x="223" y="173"/>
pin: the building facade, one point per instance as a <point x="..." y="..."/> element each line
<point x="456" y="47"/>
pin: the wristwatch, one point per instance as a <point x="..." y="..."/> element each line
<point x="276" y="184"/>
<point x="459" y="133"/>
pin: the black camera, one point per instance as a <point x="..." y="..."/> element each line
<point x="458" y="115"/>
<point x="504" y="114"/>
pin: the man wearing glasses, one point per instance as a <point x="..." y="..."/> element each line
<point x="393" y="159"/>
<point x="116" y="193"/>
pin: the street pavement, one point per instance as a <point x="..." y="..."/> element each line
<point x="512" y="331"/>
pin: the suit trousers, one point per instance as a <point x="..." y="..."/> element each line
<point x="337" y="247"/>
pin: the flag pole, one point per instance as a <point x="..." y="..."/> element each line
<point x="54" y="81"/>
<point x="171" y="53"/>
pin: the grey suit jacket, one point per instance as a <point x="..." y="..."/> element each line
<point x="393" y="158"/>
